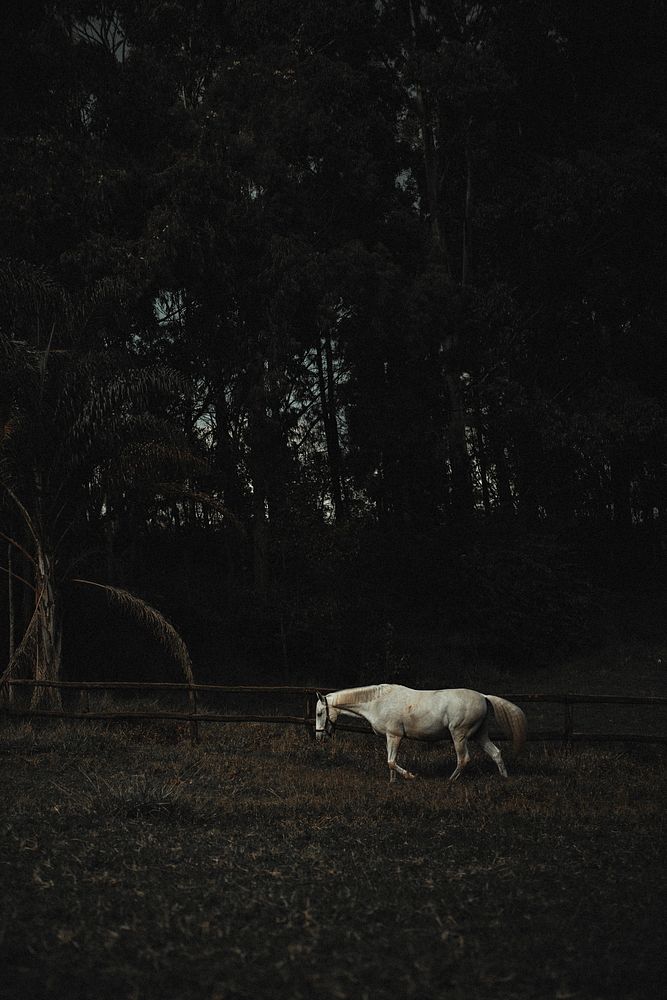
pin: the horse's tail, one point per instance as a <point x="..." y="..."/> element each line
<point x="511" y="720"/>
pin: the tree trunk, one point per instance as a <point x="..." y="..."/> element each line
<point x="528" y="474"/>
<point x="329" y="420"/>
<point x="459" y="459"/>
<point x="461" y="482"/>
<point x="504" y="502"/>
<point x="258" y="469"/>
<point x="260" y="540"/>
<point x="430" y="153"/>
<point x="482" y="458"/>
<point x="466" y="250"/>
<point x="620" y="489"/>
<point x="49" y="638"/>
<point x="226" y="461"/>
<point x="504" y="488"/>
<point x="109" y="540"/>
<point x="10" y="617"/>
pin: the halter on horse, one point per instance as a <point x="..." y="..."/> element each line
<point x="397" y="712"/>
<point x="329" y="726"/>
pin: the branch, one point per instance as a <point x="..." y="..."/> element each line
<point x="16" y="545"/>
<point x="16" y="576"/>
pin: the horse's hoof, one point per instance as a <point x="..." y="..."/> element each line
<point x="409" y="774"/>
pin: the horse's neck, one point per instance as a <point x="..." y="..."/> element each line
<point x="351" y="701"/>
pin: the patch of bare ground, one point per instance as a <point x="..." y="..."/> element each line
<point x="263" y="865"/>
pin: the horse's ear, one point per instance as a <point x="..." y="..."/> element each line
<point x="319" y="696"/>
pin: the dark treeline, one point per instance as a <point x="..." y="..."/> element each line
<point x="329" y="324"/>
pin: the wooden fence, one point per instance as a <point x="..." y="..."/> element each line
<point x="307" y="697"/>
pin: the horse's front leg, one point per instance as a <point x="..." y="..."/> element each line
<point x="393" y="743"/>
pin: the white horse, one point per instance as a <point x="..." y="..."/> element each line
<point x="397" y="711"/>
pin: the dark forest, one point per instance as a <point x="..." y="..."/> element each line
<point x="332" y="336"/>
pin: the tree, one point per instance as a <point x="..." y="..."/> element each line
<point x="404" y="256"/>
<point x="78" y="434"/>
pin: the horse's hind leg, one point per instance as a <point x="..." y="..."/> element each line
<point x="393" y="743"/>
<point x="494" y="753"/>
<point x="462" y="755"/>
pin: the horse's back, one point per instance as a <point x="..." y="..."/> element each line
<point x="462" y="706"/>
<point x="429" y="714"/>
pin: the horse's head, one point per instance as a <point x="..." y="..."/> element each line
<point x="325" y="718"/>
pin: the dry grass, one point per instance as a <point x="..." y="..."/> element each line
<point x="263" y="865"/>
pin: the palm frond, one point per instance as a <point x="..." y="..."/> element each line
<point x="102" y="410"/>
<point x="17" y="545"/>
<point x="27" y="520"/>
<point x="133" y="388"/>
<point x="151" y="619"/>
<point x="27" y="290"/>
<point x="33" y="302"/>
<point x="145" y="460"/>
<point x="105" y="293"/>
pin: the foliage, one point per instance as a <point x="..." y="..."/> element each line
<point x="78" y="438"/>
<point x="391" y="271"/>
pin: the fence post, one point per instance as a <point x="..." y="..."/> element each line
<point x="307" y="704"/>
<point x="84" y="700"/>
<point x="568" y="719"/>
<point x="194" y="724"/>
<point x="5" y="695"/>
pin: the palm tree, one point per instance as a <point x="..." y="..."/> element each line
<point x="79" y="431"/>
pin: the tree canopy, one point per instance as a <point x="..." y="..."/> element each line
<point x="321" y="320"/>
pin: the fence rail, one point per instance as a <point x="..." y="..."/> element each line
<point x="194" y="716"/>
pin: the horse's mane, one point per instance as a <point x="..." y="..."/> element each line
<point x="355" y="696"/>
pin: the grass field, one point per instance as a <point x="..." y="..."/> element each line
<point x="263" y="865"/>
